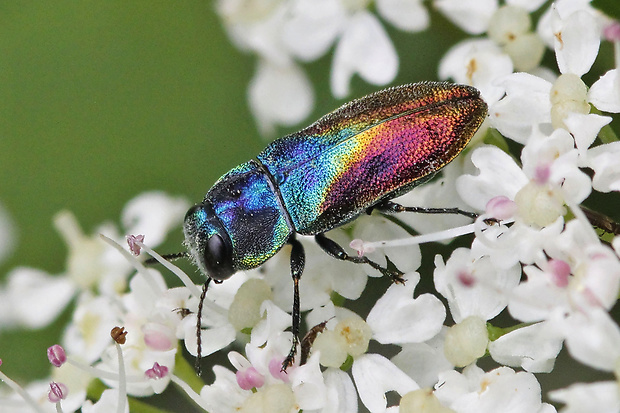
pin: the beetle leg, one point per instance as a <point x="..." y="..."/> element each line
<point x="332" y="248"/>
<point x="298" y="261"/>
<point x="393" y="207"/>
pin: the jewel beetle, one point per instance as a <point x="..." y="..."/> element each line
<point x="349" y="162"/>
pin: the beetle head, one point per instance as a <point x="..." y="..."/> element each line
<point x="208" y="242"/>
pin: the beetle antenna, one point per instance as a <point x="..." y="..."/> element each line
<point x="167" y="257"/>
<point x="205" y="286"/>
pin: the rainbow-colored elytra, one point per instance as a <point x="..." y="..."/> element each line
<point x="371" y="149"/>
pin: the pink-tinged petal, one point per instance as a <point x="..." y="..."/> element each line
<point x="560" y="272"/>
<point x="499" y="176"/>
<point x="536" y="298"/>
<point x="577" y="39"/>
<point x="611" y="31"/>
<point x="374" y="376"/>
<point x="159" y="337"/>
<point x="365" y="49"/>
<point x="407" y="15"/>
<point x="224" y="394"/>
<point x="474" y="300"/>
<point x="605" y="92"/>
<point x="249" y="379"/>
<point x="501" y="207"/>
<point x="275" y="369"/>
<point x="399" y="318"/>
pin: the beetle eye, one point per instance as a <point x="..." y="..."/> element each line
<point x="218" y="258"/>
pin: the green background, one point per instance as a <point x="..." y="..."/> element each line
<point x="102" y="100"/>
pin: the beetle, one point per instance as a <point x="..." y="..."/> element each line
<point x="349" y="162"/>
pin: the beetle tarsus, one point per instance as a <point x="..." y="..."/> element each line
<point x="393" y="207"/>
<point x="332" y="248"/>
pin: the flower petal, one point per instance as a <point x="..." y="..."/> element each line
<point x="279" y="95"/>
<point x="399" y="318"/>
<point x="366" y="49"/>
<point x="407" y="15"/>
<point x="534" y="348"/>
<point x="374" y="376"/>
<point x="577" y="39"/>
<point x="470" y="15"/>
<point x="605" y="92"/>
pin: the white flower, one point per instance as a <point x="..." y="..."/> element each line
<point x="473" y="16"/>
<point x="498" y="390"/>
<point x="90" y="264"/>
<point x="603" y="160"/>
<point x="282" y="32"/>
<point x="32" y="298"/>
<point x="108" y="402"/>
<point x="582" y="397"/>
<point x="486" y="297"/>
<point x="533" y="348"/>
<point x="88" y="334"/>
<point x="511" y="44"/>
<point x="375" y="376"/>
<point x="301" y="387"/>
<point x="424" y="361"/>
<point x="396" y="318"/>
<point x="365" y="49"/>
<point x="477" y="62"/>
<point x="593" y="338"/>
<point x="576" y="37"/>
<point x="279" y="95"/>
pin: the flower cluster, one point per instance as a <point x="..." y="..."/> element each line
<point x="536" y="257"/>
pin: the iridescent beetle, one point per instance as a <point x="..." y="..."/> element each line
<point x="349" y="162"/>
